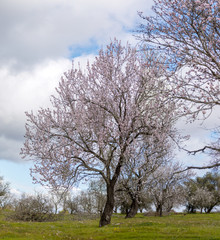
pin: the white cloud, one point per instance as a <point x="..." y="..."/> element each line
<point x="24" y="91"/>
<point x="35" y="30"/>
<point x="16" y="193"/>
<point x="37" y="38"/>
<point x="30" y="190"/>
<point x="200" y="135"/>
<point x="36" y="41"/>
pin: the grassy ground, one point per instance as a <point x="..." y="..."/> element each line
<point x="196" y="226"/>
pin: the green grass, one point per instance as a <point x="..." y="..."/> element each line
<point x="196" y="226"/>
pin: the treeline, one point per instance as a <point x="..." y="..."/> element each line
<point x="198" y="194"/>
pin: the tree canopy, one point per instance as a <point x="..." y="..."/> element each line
<point x="97" y="117"/>
<point x="187" y="33"/>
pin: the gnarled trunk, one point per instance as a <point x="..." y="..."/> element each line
<point x="109" y="206"/>
<point x="135" y="200"/>
<point x="134" y="208"/>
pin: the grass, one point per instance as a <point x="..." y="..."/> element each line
<point x="196" y="226"/>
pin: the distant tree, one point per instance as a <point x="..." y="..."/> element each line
<point x="4" y="187"/>
<point x="204" y="192"/>
<point x="73" y="204"/>
<point x="145" y="202"/>
<point x="122" y="200"/>
<point x="97" y="190"/>
<point x="187" y="33"/>
<point x="203" y="199"/>
<point x="58" y="199"/>
<point x="139" y="167"/>
<point x="190" y="189"/>
<point x="86" y="202"/>
<point x="5" y="195"/>
<point x="97" y="117"/>
<point x="166" y="187"/>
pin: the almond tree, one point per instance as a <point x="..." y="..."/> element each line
<point x="166" y="187"/>
<point x="203" y="192"/>
<point x="187" y="32"/>
<point x="98" y="116"/>
<point x="139" y="167"/>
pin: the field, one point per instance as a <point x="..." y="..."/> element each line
<point x="180" y="226"/>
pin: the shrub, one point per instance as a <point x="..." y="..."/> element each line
<point x="33" y="208"/>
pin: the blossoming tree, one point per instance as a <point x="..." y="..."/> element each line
<point x="166" y="187"/>
<point x="187" y="32"/>
<point x="96" y="118"/>
<point x="140" y="166"/>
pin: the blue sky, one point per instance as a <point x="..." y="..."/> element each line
<point x="78" y="50"/>
<point x="39" y="39"/>
<point x="17" y="174"/>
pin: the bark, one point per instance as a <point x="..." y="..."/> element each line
<point x="109" y="206"/>
<point x="190" y="208"/>
<point x="159" y="210"/>
<point x="209" y="209"/>
<point x="134" y="208"/>
<point x="135" y="201"/>
<point x="56" y="209"/>
<point x="169" y="209"/>
<point x="110" y="201"/>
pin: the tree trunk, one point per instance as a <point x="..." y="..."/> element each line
<point x="134" y="208"/>
<point x="56" y="209"/>
<point x="191" y="209"/>
<point x="110" y="201"/>
<point x="135" y="200"/>
<point x="109" y="206"/>
<point x="159" y="210"/>
<point x="209" y="209"/>
<point x="169" y="209"/>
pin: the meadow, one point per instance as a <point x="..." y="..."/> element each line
<point x="176" y="226"/>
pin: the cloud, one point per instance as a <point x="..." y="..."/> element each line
<point x="30" y="190"/>
<point x="38" y="40"/>
<point x="24" y="91"/>
<point x="35" y="30"/>
<point x="200" y="135"/>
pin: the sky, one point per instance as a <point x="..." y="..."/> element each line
<point x="39" y="40"/>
